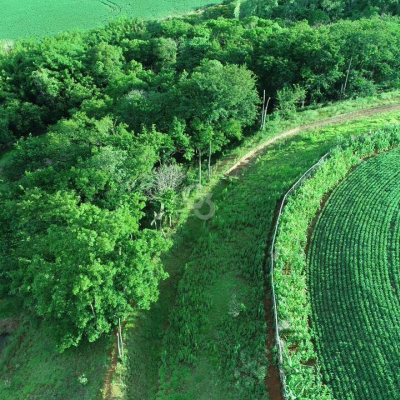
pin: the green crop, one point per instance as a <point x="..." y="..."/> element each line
<point x="26" y="18"/>
<point x="349" y="293"/>
<point x="355" y="282"/>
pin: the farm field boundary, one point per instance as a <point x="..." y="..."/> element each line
<point x="26" y="18"/>
<point x="297" y="356"/>
<point x="279" y="342"/>
<point x="263" y="182"/>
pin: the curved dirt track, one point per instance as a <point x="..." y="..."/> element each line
<point x="236" y="169"/>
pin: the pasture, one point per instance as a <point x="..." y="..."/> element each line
<point x="39" y="18"/>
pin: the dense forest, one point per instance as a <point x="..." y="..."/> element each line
<point x="106" y="124"/>
<point x="314" y="11"/>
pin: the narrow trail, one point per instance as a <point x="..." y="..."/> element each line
<point x="237" y="168"/>
<point x="272" y="380"/>
<point x="113" y="355"/>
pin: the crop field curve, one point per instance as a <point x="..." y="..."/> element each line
<point x="354" y="282"/>
<point x="39" y="18"/>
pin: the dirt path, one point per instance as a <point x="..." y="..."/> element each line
<point x="113" y="355"/>
<point x="237" y="168"/>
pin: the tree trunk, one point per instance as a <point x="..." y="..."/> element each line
<point x="347" y="77"/>
<point x="119" y="346"/>
<point x="209" y="162"/>
<point x="200" y="166"/>
<point x="120" y="338"/>
<point x="262" y="112"/>
<point x="265" y="113"/>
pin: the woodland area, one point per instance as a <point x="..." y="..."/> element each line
<point x="110" y="124"/>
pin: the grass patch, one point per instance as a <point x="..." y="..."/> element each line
<point x="31" y="367"/>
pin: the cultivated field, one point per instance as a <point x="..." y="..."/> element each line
<point x="26" y="18"/>
<point x="354" y="280"/>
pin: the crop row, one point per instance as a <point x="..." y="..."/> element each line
<point x="353" y="296"/>
<point x="308" y="369"/>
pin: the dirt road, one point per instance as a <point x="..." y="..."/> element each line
<point x="236" y="169"/>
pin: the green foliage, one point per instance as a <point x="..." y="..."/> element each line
<point x="31" y="366"/>
<point x="289" y="99"/>
<point x="215" y="343"/>
<point x="71" y="240"/>
<point x="315" y="11"/>
<point x="360" y="280"/>
<point x="96" y="114"/>
<point x="294" y="310"/>
<point x="187" y="77"/>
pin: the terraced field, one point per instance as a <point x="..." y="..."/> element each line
<point x="26" y="18"/>
<point x="354" y="279"/>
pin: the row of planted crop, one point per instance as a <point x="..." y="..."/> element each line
<point x="359" y="238"/>
<point x="303" y="374"/>
<point x="351" y="241"/>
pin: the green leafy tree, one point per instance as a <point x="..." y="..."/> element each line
<point x="79" y="266"/>
<point x="214" y="96"/>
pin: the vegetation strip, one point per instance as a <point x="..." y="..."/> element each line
<point x="278" y="339"/>
<point x="355" y="245"/>
<point x="293" y="306"/>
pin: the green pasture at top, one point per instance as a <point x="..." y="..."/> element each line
<point x="26" y="18"/>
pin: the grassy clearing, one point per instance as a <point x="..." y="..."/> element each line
<point x="27" y="18"/>
<point x="31" y="367"/>
<point x="202" y="350"/>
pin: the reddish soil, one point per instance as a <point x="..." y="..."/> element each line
<point x="113" y="355"/>
<point x="272" y="380"/>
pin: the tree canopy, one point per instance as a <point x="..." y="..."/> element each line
<point x="97" y="118"/>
